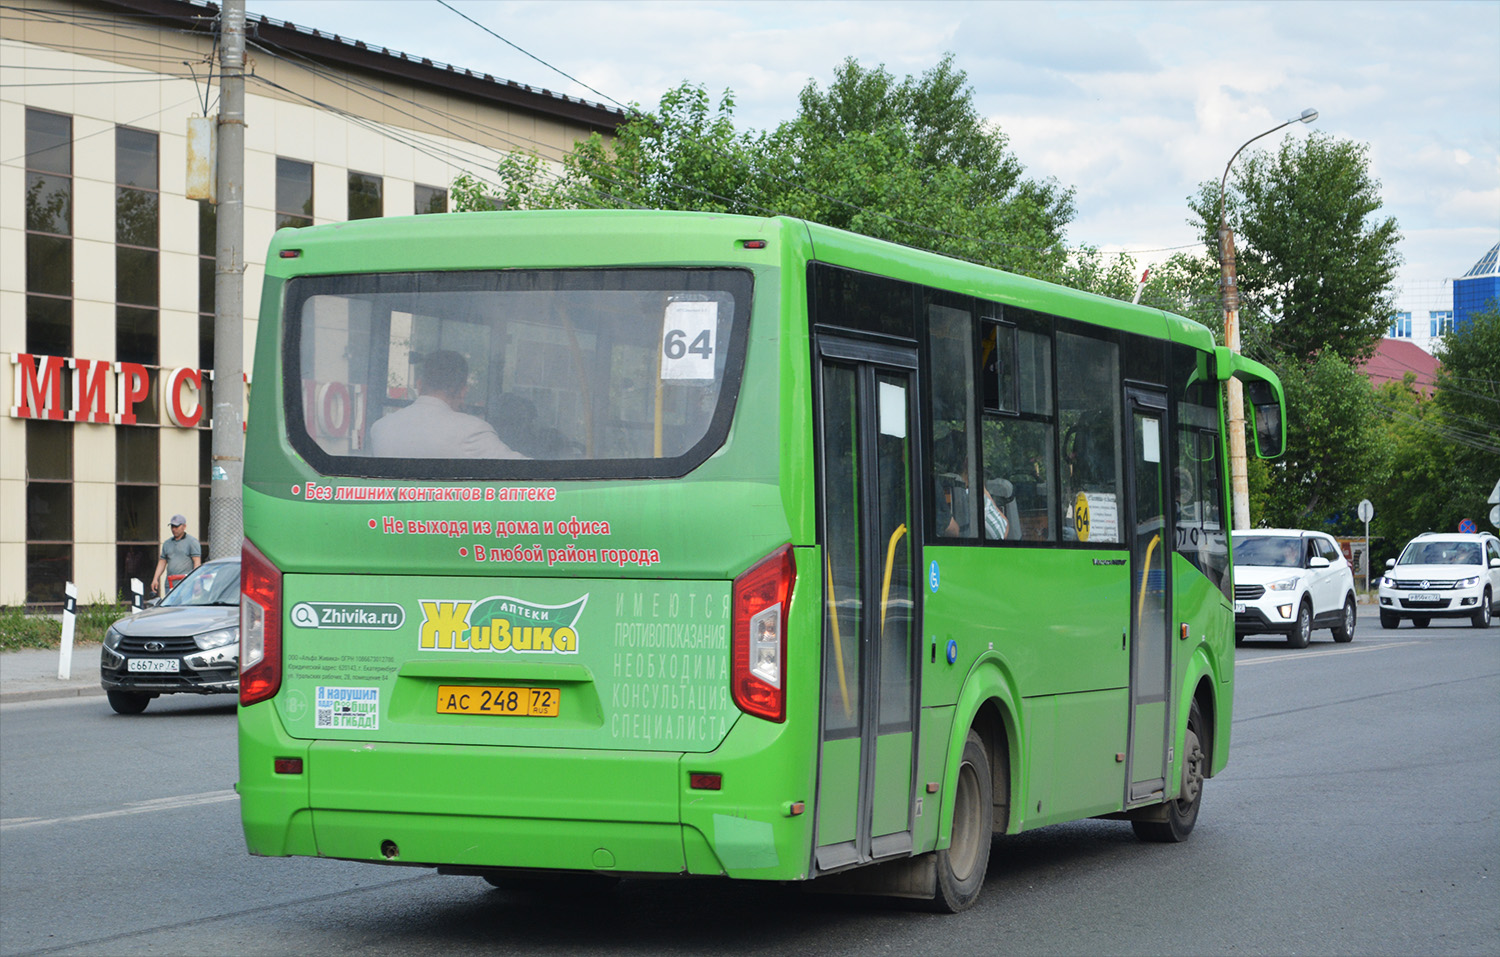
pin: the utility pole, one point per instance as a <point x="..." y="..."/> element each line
<point x="1239" y="481"/>
<point x="226" y="475"/>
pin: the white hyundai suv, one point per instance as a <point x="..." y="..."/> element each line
<point x="1442" y="575"/>
<point x="1289" y="581"/>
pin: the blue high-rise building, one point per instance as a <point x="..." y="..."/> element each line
<point x="1478" y="289"/>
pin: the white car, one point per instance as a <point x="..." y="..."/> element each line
<point x="1289" y="581"/>
<point x="1453" y="575"/>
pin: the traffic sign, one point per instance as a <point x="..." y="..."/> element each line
<point x="1495" y="516"/>
<point x="1467" y="526"/>
<point x="1366" y="510"/>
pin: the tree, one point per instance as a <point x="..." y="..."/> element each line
<point x="1315" y="262"/>
<point x="1335" y="452"/>
<point x="1468" y="400"/>
<point x="910" y="161"/>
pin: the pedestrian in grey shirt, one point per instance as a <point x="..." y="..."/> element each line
<point x="180" y="554"/>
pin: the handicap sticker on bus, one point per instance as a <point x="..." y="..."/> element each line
<point x="932" y="576"/>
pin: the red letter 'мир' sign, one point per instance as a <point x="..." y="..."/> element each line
<point x="37" y="390"/>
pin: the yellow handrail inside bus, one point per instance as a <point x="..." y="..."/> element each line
<point x="890" y="559"/>
<point x="838" y="644"/>
<point x="1140" y="605"/>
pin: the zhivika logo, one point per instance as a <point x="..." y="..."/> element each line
<point x="500" y="624"/>
<point x="379" y="616"/>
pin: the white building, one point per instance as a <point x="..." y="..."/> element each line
<point x="106" y="268"/>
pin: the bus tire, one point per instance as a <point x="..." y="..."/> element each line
<point x="962" y="864"/>
<point x="1182" y="812"/>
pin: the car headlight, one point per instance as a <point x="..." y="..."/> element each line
<point x="1286" y="584"/>
<point x="112" y="638"/>
<point x="1466" y="582"/>
<point x="217" y="639"/>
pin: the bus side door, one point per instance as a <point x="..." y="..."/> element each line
<point x="867" y="432"/>
<point x="1150" y="645"/>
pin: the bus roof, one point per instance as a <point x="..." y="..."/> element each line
<point x="629" y="237"/>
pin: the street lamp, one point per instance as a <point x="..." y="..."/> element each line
<point x="1239" y="483"/>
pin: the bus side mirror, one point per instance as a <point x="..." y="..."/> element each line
<point x="1270" y="431"/>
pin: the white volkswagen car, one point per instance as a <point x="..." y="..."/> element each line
<point x="1288" y="581"/>
<point x="1452" y="575"/>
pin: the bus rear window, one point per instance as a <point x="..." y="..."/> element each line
<point x="514" y="373"/>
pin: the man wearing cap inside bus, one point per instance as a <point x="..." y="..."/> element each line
<point x="180" y="554"/>
<point x="432" y="427"/>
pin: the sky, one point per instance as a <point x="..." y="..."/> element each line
<point x="1131" y="104"/>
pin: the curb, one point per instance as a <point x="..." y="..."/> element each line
<point x="44" y="694"/>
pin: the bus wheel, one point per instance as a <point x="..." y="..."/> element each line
<point x="1182" y="813"/>
<point x="962" y="865"/>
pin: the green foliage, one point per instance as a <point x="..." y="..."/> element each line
<point x="910" y="161"/>
<point x="20" y="630"/>
<point x="1335" y="449"/>
<point x="1445" y="450"/>
<point x="1315" y="262"/>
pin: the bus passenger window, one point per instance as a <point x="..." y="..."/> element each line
<point x="1018" y="479"/>
<point x="954" y="506"/>
<point x="1088" y="371"/>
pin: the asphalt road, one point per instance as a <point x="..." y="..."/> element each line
<point x="1358" y="815"/>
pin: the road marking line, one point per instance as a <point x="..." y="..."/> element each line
<point x="135" y="807"/>
<point x="1321" y="654"/>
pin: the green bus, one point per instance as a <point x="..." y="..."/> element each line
<point x="634" y="543"/>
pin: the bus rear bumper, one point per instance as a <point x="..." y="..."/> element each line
<point x="483" y="808"/>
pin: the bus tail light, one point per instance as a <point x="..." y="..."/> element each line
<point x="758" y="667"/>
<point x="260" y="626"/>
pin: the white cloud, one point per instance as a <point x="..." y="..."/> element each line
<point x="1134" y="104"/>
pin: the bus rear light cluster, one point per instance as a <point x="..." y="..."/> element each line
<point x="260" y="626"/>
<point x="761" y="597"/>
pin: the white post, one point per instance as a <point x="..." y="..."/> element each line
<point x="137" y="590"/>
<point x="70" y="614"/>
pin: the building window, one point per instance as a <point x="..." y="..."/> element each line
<point x="365" y="200"/>
<point x="49" y="511"/>
<point x="137" y="505"/>
<point x="1441" y="322"/>
<point x="430" y="199"/>
<point x="1400" y="326"/>
<point x="49" y="233"/>
<point x="49" y="331"/>
<point x="294" y="193"/>
<point x="137" y="249"/>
